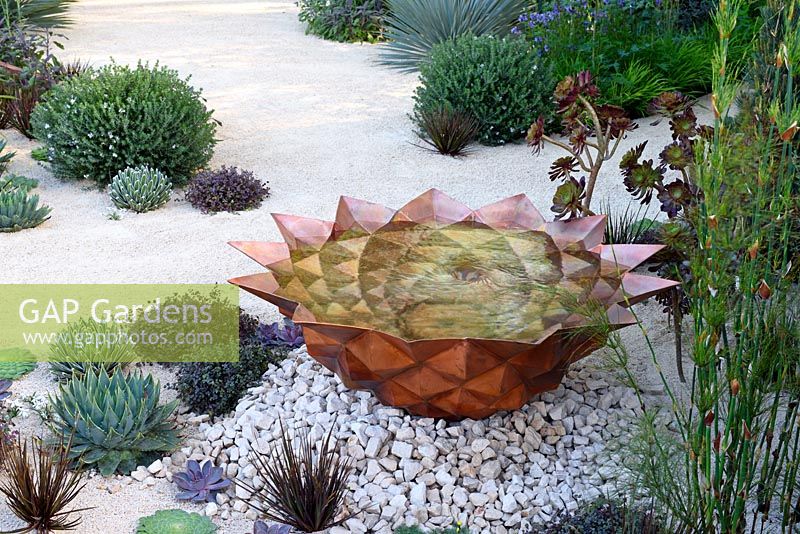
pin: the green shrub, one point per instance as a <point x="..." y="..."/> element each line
<point x="635" y="50"/>
<point x="216" y="387"/>
<point x="175" y="522"/>
<point x="140" y="189"/>
<point x="414" y="27"/>
<point x="343" y="20"/>
<point x="115" y="423"/>
<point x="501" y="82"/>
<point x="604" y="516"/>
<point x="98" y="123"/>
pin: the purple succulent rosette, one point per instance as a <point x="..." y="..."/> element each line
<point x="200" y="483"/>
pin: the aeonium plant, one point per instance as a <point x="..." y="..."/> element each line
<point x="593" y="131"/>
<point x="593" y="134"/>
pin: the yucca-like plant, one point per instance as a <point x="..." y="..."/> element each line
<point x="302" y="488"/>
<point x="38" y="485"/>
<point x="140" y="189"/>
<point x="70" y="357"/>
<point x="448" y="131"/>
<point x="36" y="13"/>
<point x="116" y="422"/>
<point x="413" y="27"/>
<point x="20" y="211"/>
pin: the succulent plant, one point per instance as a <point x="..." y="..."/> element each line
<point x="116" y="422"/>
<point x="291" y="335"/>
<point x="19" y="211"/>
<point x="16" y="182"/>
<point x="67" y="360"/>
<point x="4" y="392"/>
<point x="175" y="522"/>
<point x="275" y="528"/>
<point x="200" y="483"/>
<point x="140" y="189"/>
<point x="16" y="362"/>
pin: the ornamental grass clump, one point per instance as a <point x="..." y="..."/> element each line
<point x="302" y="488"/>
<point x="447" y="131"/>
<point x="99" y="123"/>
<point x="115" y="422"/>
<point x="226" y="189"/>
<point x="38" y="485"/>
<point x="140" y="189"/>
<point x="500" y="83"/>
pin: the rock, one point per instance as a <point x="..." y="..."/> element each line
<point x="402" y="449"/>
<point x="490" y="470"/>
<point x="140" y="474"/>
<point x="211" y="509"/>
<point x="479" y="445"/>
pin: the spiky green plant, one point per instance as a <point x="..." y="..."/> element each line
<point x="36" y="13"/>
<point x="140" y="189"/>
<point x="175" y="522"/>
<point x="413" y="27"/>
<point x="302" y="488"/>
<point x="38" y="485"/>
<point x="14" y="182"/>
<point x="448" y="131"/>
<point x="20" y="211"/>
<point x="88" y="345"/>
<point x="16" y="362"/>
<point x="117" y="421"/>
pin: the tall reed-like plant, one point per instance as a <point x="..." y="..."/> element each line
<point x="727" y="459"/>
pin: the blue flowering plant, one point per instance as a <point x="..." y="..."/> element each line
<point x="637" y="48"/>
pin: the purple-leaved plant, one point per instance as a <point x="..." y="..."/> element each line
<point x="200" y="483"/>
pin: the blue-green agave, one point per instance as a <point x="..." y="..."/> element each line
<point x="19" y="211"/>
<point x="175" y="522"/>
<point x="115" y="422"/>
<point x="140" y="189"/>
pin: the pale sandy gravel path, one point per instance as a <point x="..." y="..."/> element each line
<point x="316" y="119"/>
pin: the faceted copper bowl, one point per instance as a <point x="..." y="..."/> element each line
<point x="447" y="311"/>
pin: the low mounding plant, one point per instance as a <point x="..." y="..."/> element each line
<point x="414" y="27"/>
<point x="38" y="485"/>
<point x="101" y="122"/>
<point x="302" y="489"/>
<point x="343" y="20"/>
<point x="116" y="422"/>
<point x="20" y="211"/>
<point x="226" y="189"/>
<point x="140" y="189"/>
<point x="77" y="350"/>
<point x="200" y="483"/>
<point x="216" y="387"/>
<point x="605" y="516"/>
<point x="500" y="82"/>
<point x="448" y="131"/>
<point x="175" y="522"/>
<point x="458" y="529"/>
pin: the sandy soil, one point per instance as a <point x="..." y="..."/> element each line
<point x="315" y="119"/>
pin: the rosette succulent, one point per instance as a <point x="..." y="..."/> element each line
<point x="21" y="211"/>
<point x="115" y="422"/>
<point x="175" y="522"/>
<point x="140" y="189"/>
<point x="290" y="335"/>
<point x="200" y="483"/>
<point x="444" y="310"/>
